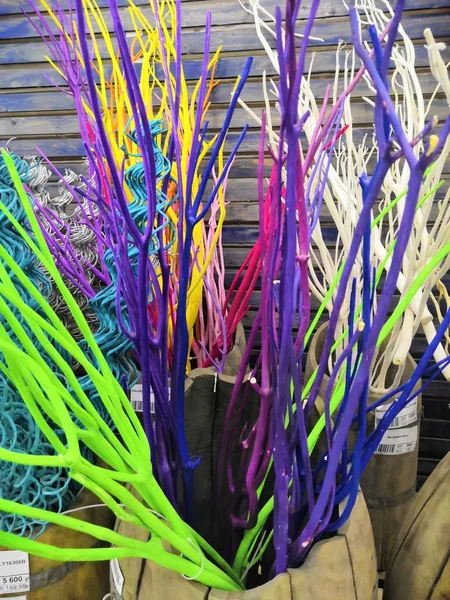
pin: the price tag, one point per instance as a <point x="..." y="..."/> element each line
<point x="136" y="398"/>
<point x="398" y="441"/>
<point x="14" y="571"/>
<point x="405" y="417"/>
<point x="117" y="576"/>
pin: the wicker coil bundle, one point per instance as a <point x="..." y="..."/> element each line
<point x="135" y="179"/>
<point x="67" y="218"/>
<point x="39" y="175"/>
<point x="70" y="220"/>
<point x="115" y="346"/>
<point x="44" y="487"/>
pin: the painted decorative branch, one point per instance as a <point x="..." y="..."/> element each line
<point x="67" y="406"/>
<point x="298" y="498"/>
<point x="277" y="449"/>
<point x="150" y="48"/>
<point x="342" y="185"/>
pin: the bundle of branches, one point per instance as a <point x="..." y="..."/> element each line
<point x="305" y="494"/>
<point x="343" y="194"/>
<point x="301" y="509"/>
<point x="60" y="403"/>
<point x="154" y="49"/>
<point x="154" y="243"/>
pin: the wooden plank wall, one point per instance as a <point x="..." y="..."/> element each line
<point x="38" y="115"/>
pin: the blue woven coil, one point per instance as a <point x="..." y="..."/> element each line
<point x="135" y="179"/>
<point x="42" y="487"/>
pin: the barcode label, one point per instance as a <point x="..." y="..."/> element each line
<point x="404" y="418"/>
<point x="386" y="449"/>
<point x="136" y="399"/>
<point x="117" y="575"/>
<point x="398" y="441"/>
<point x="14" y="571"/>
<point x="137" y="405"/>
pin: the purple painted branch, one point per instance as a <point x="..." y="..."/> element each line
<point x="359" y="385"/>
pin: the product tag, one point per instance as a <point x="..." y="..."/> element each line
<point x="405" y="417"/>
<point x="117" y="575"/>
<point x="14" y="571"/>
<point x="398" y="441"/>
<point x="136" y="399"/>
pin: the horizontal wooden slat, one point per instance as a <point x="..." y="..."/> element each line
<point x="329" y="8"/>
<point x="224" y="12"/>
<point x="247" y="167"/>
<point x="37" y="101"/>
<point x="362" y="114"/>
<point x="246" y="235"/>
<point x="244" y="167"/>
<point x="72" y="147"/>
<point x="435" y="428"/>
<point x="29" y="126"/>
<point x="427" y="465"/>
<point x="436" y="390"/>
<point x="232" y="37"/>
<point x="438" y="408"/>
<point x="433" y="447"/>
<point x="244" y="38"/>
<point x="64" y="147"/>
<point x="34" y="75"/>
<point x="420" y="342"/>
<point x="417" y="349"/>
<point x="193" y="14"/>
<point x="16" y="7"/>
<point x="248" y="213"/>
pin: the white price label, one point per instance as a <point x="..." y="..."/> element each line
<point x="118" y="578"/>
<point x="404" y="418"/>
<point x="14" y="571"/>
<point x="136" y="399"/>
<point x="398" y="441"/>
